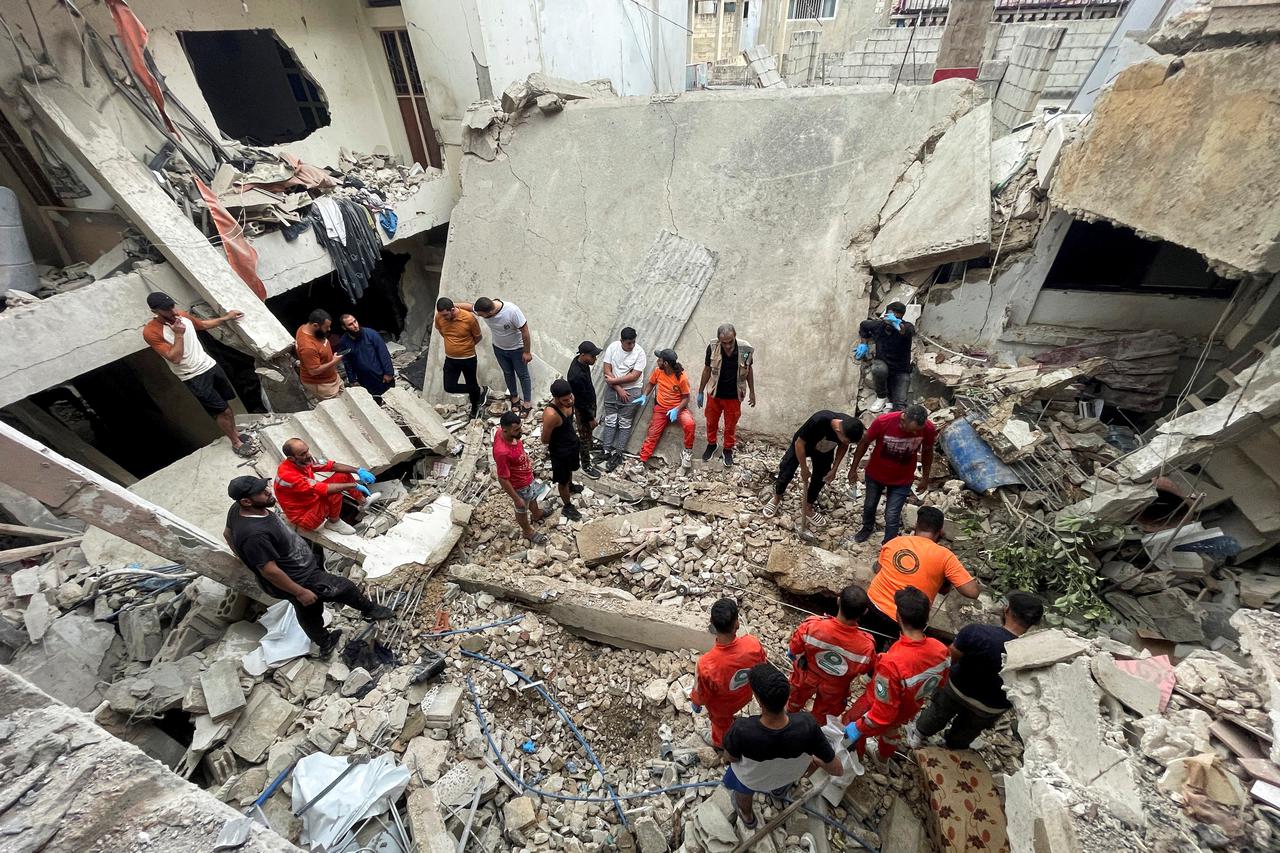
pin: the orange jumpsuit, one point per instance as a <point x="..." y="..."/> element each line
<point x="304" y="498"/>
<point x="906" y="677"/>
<point x="721" y="686"/>
<point x="828" y="655"/>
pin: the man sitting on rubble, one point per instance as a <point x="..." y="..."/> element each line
<point x="365" y="357"/>
<point x="905" y="678"/>
<point x="891" y="366"/>
<point x="311" y="502"/>
<point x="816" y="451"/>
<point x="671" y="405"/>
<point x="973" y="698"/>
<point x="285" y="564"/>
<point x="514" y="471"/>
<point x="827" y="654"/>
<point x="771" y="752"/>
<point x="720" y="685"/>
<point x="917" y="560"/>
<point x="900" y="437"/>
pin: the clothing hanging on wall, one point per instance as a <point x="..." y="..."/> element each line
<point x="353" y="260"/>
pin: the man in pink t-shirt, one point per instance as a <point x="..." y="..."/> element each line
<point x="900" y="438"/>
<point x="514" y="471"/>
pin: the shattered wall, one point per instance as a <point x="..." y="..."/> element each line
<point x="1184" y="149"/>
<point x="785" y="187"/>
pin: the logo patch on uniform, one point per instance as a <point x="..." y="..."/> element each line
<point x="882" y="688"/>
<point x="832" y="663"/>
<point x="928" y="687"/>
<point x="906" y="561"/>
<point x="739" y="679"/>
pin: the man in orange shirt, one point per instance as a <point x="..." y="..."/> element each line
<point x="905" y="678"/>
<point x="914" y="561"/>
<point x="172" y="334"/>
<point x="319" y="366"/>
<point x="672" y="404"/>
<point x="460" y="331"/>
<point x="312" y="502"/>
<point x="722" y="686"/>
<point x="827" y="653"/>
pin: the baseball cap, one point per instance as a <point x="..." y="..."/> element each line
<point x="159" y="299"/>
<point x="246" y="487"/>
<point x="588" y="348"/>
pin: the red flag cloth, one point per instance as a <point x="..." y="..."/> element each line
<point x="240" y="252"/>
<point x="134" y="36"/>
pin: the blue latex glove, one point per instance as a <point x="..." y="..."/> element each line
<point x="702" y="398"/>
<point x="672" y="414"/>
<point x="852" y="733"/>
<point x="697" y="709"/>
<point x="894" y="320"/>
<point x="365" y="477"/>
<point x="640" y="401"/>
<point x="363" y="489"/>
<point x="860" y="352"/>
<point x="791" y="656"/>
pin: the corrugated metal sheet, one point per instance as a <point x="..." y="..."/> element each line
<point x="667" y="286"/>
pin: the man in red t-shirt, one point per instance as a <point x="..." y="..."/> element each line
<point x="312" y="502"/>
<point x="722" y="685"/>
<point x="900" y="438"/>
<point x="828" y="653"/>
<point x="905" y="678"/>
<point x="514" y="471"/>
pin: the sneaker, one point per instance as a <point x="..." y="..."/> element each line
<point x="880" y="404"/>
<point x="863" y="535"/>
<point x="337" y="525"/>
<point x="686" y="458"/>
<point x="728" y="458"/>
<point x="612" y="461"/>
<point x="571" y="512"/>
<point x="709" y="452"/>
<point x="576" y="488"/>
<point x="331" y="642"/>
<point x="912" y="735"/>
<point x="590" y="471"/>
<point x="818" y="519"/>
<point x="378" y="612"/>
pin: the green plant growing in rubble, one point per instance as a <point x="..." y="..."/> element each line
<point x="1054" y="561"/>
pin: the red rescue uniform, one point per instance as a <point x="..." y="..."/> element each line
<point x="305" y="499"/>
<point x="905" y="678"/>
<point x="721" y="686"/>
<point x="828" y="655"/>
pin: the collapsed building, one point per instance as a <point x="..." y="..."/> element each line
<point x="1095" y="290"/>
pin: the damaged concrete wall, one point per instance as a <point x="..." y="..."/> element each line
<point x="1184" y="149"/>
<point x="778" y="184"/>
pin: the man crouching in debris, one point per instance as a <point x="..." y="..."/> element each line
<point x="514" y="471"/>
<point x="905" y="678"/>
<point x="284" y="563"/>
<point x="816" y="451"/>
<point x="721" y="681"/>
<point x="891" y="366"/>
<point x="313" y="503"/>
<point x="828" y="653"/>
<point x="771" y="752"/>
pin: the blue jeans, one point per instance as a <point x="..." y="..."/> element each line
<point x="897" y="496"/>
<point x="513" y="368"/>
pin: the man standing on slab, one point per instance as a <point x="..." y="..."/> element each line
<point x="172" y="334"/>
<point x="730" y="368"/>
<point x="624" y="364"/>
<point x="900" y="438"/>
<point x="512" y="347"/>
<point x="560" y="435"/>
<point x="365" y="357"/>
<point x="460" y="332"/>
<point x="318" y="365"/>
<point x="891" y="365"/>
<point x="584" y="402"/>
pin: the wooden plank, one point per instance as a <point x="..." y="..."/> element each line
<point x="39" y="532"/>
<point x="15" y="554"/>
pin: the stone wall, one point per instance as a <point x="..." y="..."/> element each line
<point x="704" y="36"/>
<point x="1020" y="88"/>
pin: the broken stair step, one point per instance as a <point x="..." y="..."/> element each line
<point x="421" y="419"/>
<point x="1252" y="491"/>
<point x="274" y="437"/>
<point x="339" y="415"/>
<point x="380" y="426"/>
<point x="329" y="442"/>
<point x="1262" y="448"/>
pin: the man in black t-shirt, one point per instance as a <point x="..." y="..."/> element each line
<point x="891" y="365"/>
<point x="584" y="400"/>
<point x="816" y="451"/>
<point x="973" y="697"/>
<point x="284" y="563"/>
<point x="770" y="752"/>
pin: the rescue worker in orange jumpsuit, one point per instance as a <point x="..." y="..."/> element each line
<point x="311" y="502"/>
<point x="905" y="678"/>
<point x="722" y="685"/>
<point x="827" y="653"/>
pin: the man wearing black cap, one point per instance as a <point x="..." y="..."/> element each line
<point x="284" y="563"/>
<point x="584" y="398"/>
<point x="560" y="436"/>
<point x="172" y="334"/>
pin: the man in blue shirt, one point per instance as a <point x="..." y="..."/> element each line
<point x="366" y="358"/>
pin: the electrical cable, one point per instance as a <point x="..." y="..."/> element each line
<point x="474" y="629"/>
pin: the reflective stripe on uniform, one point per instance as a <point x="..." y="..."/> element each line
<point x="810" y="640"/>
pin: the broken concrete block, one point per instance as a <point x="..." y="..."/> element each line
<point x="1173" y="614"/>
<point x="67" y="662"/>
<point x="1260" y="637"/>
<point x="708" y="506"/>
<point x="424" y="758"/>
<point x="900" y="830"/>
<point x="221" y="686"/>
<point x="142" y="633"/>
<point x="1041" y="648"/>
<point x="519" y="812"/>
<point x="37" y="617"/>
<point x="655" y="692"/>
<point x="807" y="570"/>
<point x="25" y="582"/>
<point x="603" y="614"/>
<point x="355" y="681"/>
<point x="1137" y="694"/>
<point x="426" y="823"/>
<point x="1113" y="502"/>
<point x="598" y="540"/>
<point x="265" y="718"/>
<point x="649" y="836"/>
<point x="444" y="708"/>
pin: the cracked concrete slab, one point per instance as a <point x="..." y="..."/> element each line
<point x="785" y="186"/>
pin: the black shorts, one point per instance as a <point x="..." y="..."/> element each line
<point x="212" y="389"/>
<point x="562" y="468"/>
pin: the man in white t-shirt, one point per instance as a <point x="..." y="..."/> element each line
<point x="624" y="363"/>
<point x="172" y="334"/>
<point x="512" y="346"/>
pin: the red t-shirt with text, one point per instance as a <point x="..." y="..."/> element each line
<point x="893" y="459"/>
